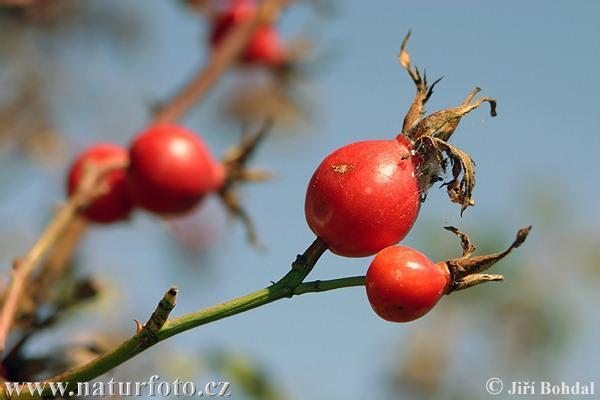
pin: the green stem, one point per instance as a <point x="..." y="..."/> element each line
<point x="323" y="286"/>
<point x="288" y="286"/>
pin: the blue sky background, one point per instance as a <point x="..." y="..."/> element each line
<point x="539" y="59"/>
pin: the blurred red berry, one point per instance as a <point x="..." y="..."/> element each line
<point x="364" y="196"/>
<point x="403" y="284"/>
<point x="230" y="14"/>
<point x="171" y="169"/>
<point x="265" y="45"/>
<point x="114" y="204"/>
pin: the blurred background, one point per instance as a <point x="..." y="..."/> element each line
<point x="73" y="73"/>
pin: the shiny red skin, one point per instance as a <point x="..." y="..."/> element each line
<point x="403" y="284"/>
<point x="171" y="170"/>
<point x="115" y="204"/>
<point x="364" y="196"/>
<point x="265" y="45"/>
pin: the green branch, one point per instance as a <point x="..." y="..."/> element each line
<point x="290" y="285"/>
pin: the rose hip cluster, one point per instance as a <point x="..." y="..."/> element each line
<point x="365" y="197"/>
<point x="167" y="170"/>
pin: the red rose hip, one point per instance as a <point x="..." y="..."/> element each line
<point x="114" y="203"/>
<point x="403" y="284"/>
<point x="264" y="46"/>
<point x="171" y="170"/>
<point x="364" y="196"/>
<point x="229" y="15"/>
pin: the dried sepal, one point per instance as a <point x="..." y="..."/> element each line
<point x="238" y="156"/>
<point x="477" y="264"/>
<point x="424" y="90"/>
<point x="465" y="241"/>
<point x="235" y="161"/>
<point x="477" y="279"/>
<point x="460" y="187"/>
<point x="430" y="135"/>
<point x="442" y="124"/>
<point x="467" y="270"/>
<point x="446" y="131"/>
<point x="235" y="209"/>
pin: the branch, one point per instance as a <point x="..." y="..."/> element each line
<point x="87" y="191"/>
<point x="324" y="286"/>
<point x="220" y="60"/>
<point x="57" y="261"/>
<point x="158" y="328"/>
<point x="17" y="3"/>
<point x="288" y="286"/>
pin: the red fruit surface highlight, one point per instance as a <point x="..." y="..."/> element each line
<point x="171" y="169"/>
<point x="403" y="284"/>
<point x="114" y="204"/>
<point x="364" y="196"/>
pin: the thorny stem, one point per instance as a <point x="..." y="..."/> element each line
<point x="223" y="56"/>
<point x="41" y="287"/>
<point x="158" y="329"/>
<point x="221" y="59"/>
<point x="89" y="188"/>
<point x="465" y="271"/>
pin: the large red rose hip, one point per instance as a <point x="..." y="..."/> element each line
<point x="171" y="170"/>
<point x="403" y="284"/>
<point x="114" y="203"/>
<point x="364" y="196"/>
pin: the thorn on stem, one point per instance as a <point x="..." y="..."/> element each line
<point x="138" y="326"/>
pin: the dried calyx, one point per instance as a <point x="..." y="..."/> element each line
<point x="430" y="136"/>
<point x="468" y="270"/>
<point x="236" y="172"/>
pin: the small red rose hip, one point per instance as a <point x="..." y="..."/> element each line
<point x="171" y="169"/>
<point x="265" y="45"/>
<point x="229" y="15"/>
<point x="114" y="204"/>
<point x="403" y="284"/>
<point x="364" y="196"/>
